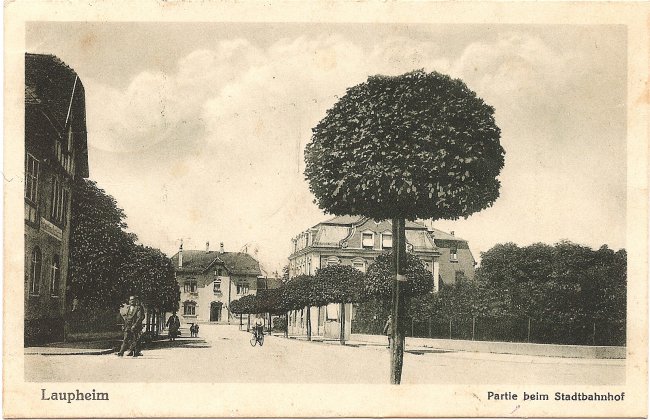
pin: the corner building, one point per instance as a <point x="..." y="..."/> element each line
<point x="56" y="153"/>
<point x="356" y="241"/>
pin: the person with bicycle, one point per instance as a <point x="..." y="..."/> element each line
<point x="258" y="326"/>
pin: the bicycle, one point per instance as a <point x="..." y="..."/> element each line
<point x="258" y="337"/>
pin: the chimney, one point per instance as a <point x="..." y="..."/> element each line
<point x="180" y="255"/>
<point x="207" y="246"/>
<point x="451" y="233"/>
<point x="221" y="248"/>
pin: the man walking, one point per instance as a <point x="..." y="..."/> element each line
<point x="133" y="315"/>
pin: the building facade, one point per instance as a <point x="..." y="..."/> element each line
<point x="357" y="241"/>
<point x="55" y="154"/>
<point x="210" y="280"/>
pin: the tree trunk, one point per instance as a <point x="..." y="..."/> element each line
<point x="308" y="323"/>
<point x="342" y="319"/>
<point x="241" y="322"/>
<point x="269" y="323"/>
<point x="286" y="326"/>
<point x="398" y="307"/>
<point x="248" y="326"/>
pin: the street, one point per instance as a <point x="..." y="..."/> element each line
<point x="222" y="353"/>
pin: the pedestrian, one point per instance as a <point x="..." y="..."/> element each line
<point x="194" y="330"/>
<point x="388" y="329"/>
<point x="173" y="323"/>
<point x="133" y="315"/>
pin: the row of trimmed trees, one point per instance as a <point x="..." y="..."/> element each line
<point x="107" y="264"/>
<point x="563" y="293"/>
<point x="336" y="284"/>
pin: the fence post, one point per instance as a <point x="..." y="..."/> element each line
<point x="450" y="328"/>
<point x="529" y="329"/>
<point x="473" y="327"/>
<point x="412" y="326"/>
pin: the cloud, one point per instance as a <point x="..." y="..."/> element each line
<point x="213" y="150"/>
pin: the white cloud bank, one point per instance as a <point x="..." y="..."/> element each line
<point x="213" y="151"/>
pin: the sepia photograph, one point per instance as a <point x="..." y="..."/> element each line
<point x="438" y="210"/>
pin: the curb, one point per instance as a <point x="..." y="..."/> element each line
<point x="72" y="353"/>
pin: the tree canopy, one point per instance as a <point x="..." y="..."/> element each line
<point x="106" y="265"/>
<point x="419" y="145"/>
<point x="380" y="277"/>
<point x="337" y="284"/>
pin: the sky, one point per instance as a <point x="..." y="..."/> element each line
<point x="198" y="129"/>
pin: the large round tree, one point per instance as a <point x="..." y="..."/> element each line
<point x="419" y="145"/>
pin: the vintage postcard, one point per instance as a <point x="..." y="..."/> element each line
<point x="325" y="209"/>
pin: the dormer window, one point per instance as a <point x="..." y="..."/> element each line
<point x="368" y="240"/>
<point x="386" y="240"/>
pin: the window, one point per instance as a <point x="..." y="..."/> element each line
<point x="189" y="308"/>
<point x="216" y="287"/>
<point x="242" y="289"/>
<point x="31" y="178"/>
<point x="55" y="276"/>
<point x="460" y="276"/>
<point x="367" y="240"/>
<point x="190" y="286"/>
<point x="58" y="202"/>
<point x="453" y="254"/>
<point x="359" y="264"/>
<point x="386" y="240"/>
<point x="35" y="272"/>
<point x="332" y="261"/>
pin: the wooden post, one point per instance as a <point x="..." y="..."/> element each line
<point x="398" y="307"/>
<point x="342" y="319"/>
<point x="473" y="327"/>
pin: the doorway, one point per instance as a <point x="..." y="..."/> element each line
<point x="215" y="311"/>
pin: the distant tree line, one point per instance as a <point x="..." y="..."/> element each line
<point x="106" y="263"/>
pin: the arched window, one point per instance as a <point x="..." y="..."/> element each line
<point x="333" y="261"/>
<point x="35" y="272"/>
<point x="55" y="276"/>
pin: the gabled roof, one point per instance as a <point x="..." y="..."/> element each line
<point x="438" y="234"/>
<point x="237" y="263"/>
<point x="55" y="89"/>
<point x="240" y="263"/>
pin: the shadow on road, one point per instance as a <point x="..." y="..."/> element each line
<point x="182" y="342"/>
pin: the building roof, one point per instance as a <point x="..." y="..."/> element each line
<point x="353" y="220"/>
<point x="56" y="89"/>
<point x="240" y="263"/>
<point x="268" y="283"/>
<point x="237" y="263"/>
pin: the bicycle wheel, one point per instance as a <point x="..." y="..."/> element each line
<point x="261" y="340"/>
<point x="253" y="340"/>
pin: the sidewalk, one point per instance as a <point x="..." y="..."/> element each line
<point x="95" y="347"/>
